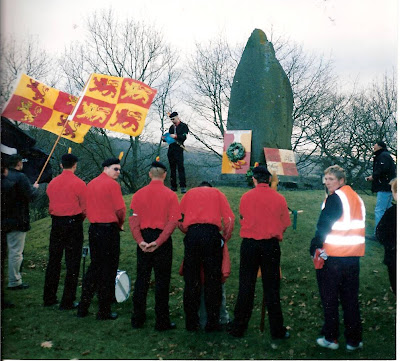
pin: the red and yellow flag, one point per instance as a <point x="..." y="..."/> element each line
<point x="118" y="104"/>
<point x="44" y="107"/>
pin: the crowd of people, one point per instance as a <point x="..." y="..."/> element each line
<point x="205" y="217"/>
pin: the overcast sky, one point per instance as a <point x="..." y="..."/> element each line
<point x="360" y="35"/>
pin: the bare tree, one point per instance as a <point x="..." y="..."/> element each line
<point x="129" y="49"/>
<point x="23" y="57"/>
<point x="211" y="71"/>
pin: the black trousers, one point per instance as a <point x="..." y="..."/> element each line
<point x="161" y="261"/>
<point x="175" y="158"/>
<point x="254" y="254"/>
<point x="392" y="270"/>
<point x="202" y="247"/>
<point x="66" y="235"/>
<point x="339" y="280"/>
<point x="104" y="242"/>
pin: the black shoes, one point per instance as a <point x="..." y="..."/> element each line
<point x="136" y="325"/>
<point x="213" y="328"/>
<point x="111" y="316"/>
<point x="51" y="303"/>
<point x="183" y="190"/>
<point x="81" y="314"/>
<point x="171" y="326"/>
<point x="22" y="286"/>
<point x="73" y="306"/>
<point x="235" y="331"/>
<point x="174" y="189"/>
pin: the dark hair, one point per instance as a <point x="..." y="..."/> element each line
<point x="205" y="184"/>
<point x="110" y="161"/>
<point x="68" y="160"/>
<point x="381" y="143"/>
<point x="173" y="115"/>
<point x="14" y="160"/>
<point x="261" y="174"/>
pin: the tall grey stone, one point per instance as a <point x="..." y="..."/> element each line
<point x="261" y="98"/>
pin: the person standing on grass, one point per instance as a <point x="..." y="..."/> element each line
<point x="202" y="210"/>
<point x="340" y="235"/>
<point x="67" y="207"/>
<point x="105" y="210"/>
<point x="155" y="216"/>
<point x="264" y="217"/>
<point x="15" y="205"/>
<point x="178" y="131"/>
<point x="384" y="170"/>
<point x="386" y="235"/>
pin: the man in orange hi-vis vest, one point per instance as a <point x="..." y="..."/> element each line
<point x="338" y="244"/>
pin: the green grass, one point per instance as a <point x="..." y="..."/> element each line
<point x="29" y="324"/>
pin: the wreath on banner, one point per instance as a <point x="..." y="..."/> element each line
<point x="235" y="152"/>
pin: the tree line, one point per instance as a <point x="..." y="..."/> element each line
<point x="331" y="126"/>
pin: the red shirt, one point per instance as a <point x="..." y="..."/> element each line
<point x="264" y="213"/>
<point x="67" y="195"/>
<point x="207" y="205"/>
<point x="155" y="206"/>
<point x="104" y="201"/>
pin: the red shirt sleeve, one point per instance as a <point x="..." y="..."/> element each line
<point x="227" y="216"/>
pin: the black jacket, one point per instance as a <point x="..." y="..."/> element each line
<point x="384" y="170"/>
<point x="182" y="131"/>
<point x="386" y="234"/>
<point x="16" y="194"/>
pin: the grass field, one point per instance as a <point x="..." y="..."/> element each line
<point x="29" y="324"/>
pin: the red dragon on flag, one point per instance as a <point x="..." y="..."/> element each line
<point x="118" y="104"/>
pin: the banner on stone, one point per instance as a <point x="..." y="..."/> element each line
<point x="44" y="107"/>
<point x="236" y="152"/>
<point x="281" y="161"/>
<point x="113" y="103"/>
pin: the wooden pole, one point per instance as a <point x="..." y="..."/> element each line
<point x="52" y="151"/>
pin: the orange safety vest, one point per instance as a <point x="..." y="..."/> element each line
<point x="347" y="237"/>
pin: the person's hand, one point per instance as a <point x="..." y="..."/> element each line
<point x="143" y="246"/>
<point x="369" y="179"/>
<point x="36" y="185"/>
<point x="173" y="136"/>
<point x="151" y="247"/>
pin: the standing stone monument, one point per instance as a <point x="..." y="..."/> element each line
<point x="261" y="98"/>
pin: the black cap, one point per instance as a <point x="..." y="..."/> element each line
<point x="69" y="158"/>
<point x="381" y="143"/>
<point x="110" y="161"/>
<point x="157" y="164"/>
<point x="261" y="170"/>
<point x="173" y="115"/>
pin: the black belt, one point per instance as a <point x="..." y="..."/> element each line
<point x="113" y="224"/>
<point x="204" y="225"/>
<point x="68" y="219"/>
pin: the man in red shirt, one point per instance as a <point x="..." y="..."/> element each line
<point x="106" y="212"/>
<point x="264" y="218"/>
<point x="67" y="207"/>
<point x="155" y="216"/>
<point x="202" y="209"/>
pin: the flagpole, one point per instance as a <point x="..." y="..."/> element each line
<point x="52" y="151"/>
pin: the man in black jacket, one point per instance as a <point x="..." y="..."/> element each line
<point x="384" y="170"/>
<point x="178" y="131"/>
<point x="17" y="193"/>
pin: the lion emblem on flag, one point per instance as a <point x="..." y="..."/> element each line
<point x="128" y="118"/>
<point x="94" y="112"/>
<point x="25" y="108"/>
<point x="137" y="91"/>
<point x="105" y="86"/>
<point x="39" y="93"/>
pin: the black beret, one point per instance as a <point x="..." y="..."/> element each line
<point x="261" y="170"/>
<point x="157" y="164"/>
<point x="110" y="161"/>
<point x="381" y="144"/>
<point x="173" y="114"/>
<point x="69" y="158"/>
